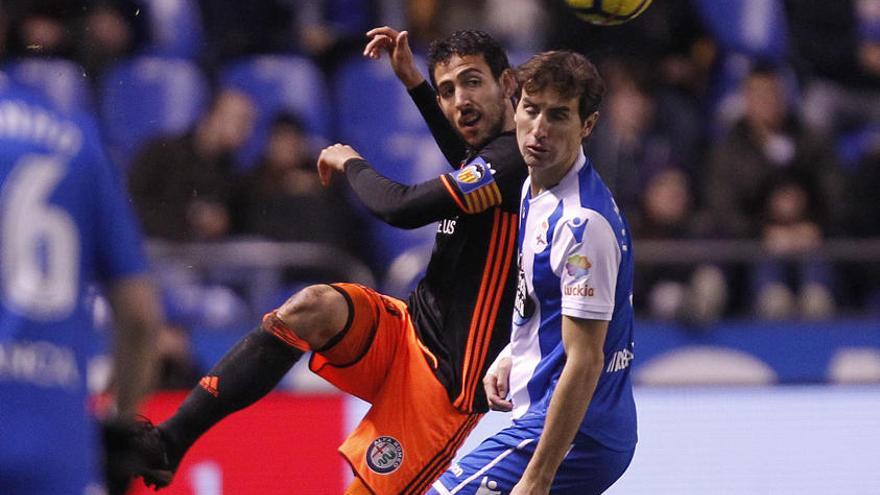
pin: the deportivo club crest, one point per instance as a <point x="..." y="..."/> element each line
<point x="384" y="455"/>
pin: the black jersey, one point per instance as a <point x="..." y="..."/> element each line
<point x="462" y="308"/>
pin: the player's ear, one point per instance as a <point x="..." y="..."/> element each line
<point x="589" y="125"/>
<point x="508" y="83"/>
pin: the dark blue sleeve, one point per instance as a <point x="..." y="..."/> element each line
<point x="120" y="251"/>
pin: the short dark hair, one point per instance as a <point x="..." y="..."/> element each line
<point x="468" y="42"/>
<point x="763" y="67"/>
<point x="566" y="72"/>
<point x="288" y="119"/>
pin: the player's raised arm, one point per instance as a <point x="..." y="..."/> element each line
<point x="396" y="45"/>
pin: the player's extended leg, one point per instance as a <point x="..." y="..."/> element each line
<point x="311" y="319"/>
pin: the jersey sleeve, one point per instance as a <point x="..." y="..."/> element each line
<point x="399" y="205"/>
<point x="494" y="177"/>
<point x="588" y="261"/>
<point x="118" y="238"/>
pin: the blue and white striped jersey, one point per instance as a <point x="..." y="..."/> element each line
<point x="575" y="260"/>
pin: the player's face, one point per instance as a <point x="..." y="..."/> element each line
<point x="474" y="102"/>
<point x="549" y="129"/>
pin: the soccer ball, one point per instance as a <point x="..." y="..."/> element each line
<point x="608" y="12"/>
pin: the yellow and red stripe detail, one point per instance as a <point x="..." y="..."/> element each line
<point x="476" y="201"/>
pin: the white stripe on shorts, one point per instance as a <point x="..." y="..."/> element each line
<point x="442" y="490"/>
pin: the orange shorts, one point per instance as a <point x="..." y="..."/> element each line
<point x="412" y="431"/>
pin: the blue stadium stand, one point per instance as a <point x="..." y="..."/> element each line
<point x="61" y="80"/>
<point x="175" y="28"/>
<point x="754" y="27"/>
<point x="149" y="96"/>
<point x="378" y="118"/>
<point x="853" y="146"/>
<point x="746" y="31"/>
<point x="280" y="83"/>
<point x="406" y="269"/>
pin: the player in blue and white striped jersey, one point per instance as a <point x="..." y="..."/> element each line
<point x="567" y="367"/>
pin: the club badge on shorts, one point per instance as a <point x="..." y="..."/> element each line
<point x="384" y="455"/>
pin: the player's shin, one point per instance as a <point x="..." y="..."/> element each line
<point x="248" y="371"/>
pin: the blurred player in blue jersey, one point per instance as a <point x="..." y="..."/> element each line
<point x="566" y="373"/>
<point x="64" y="225"/>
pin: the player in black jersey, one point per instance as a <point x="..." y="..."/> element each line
<point x="418" y="363"/>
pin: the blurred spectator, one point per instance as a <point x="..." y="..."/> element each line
<point x="282" y="198"/>
<point x="423" y="21"/>
<point x="93" y="32"/>
<point x="182" y="185"/>
<point x="41" y="27"/>
<point x="234" y="29"/>
<point x="789" y="226"/>
<point x="693" y="294"/>
<point x="109" y="31"/>
<point x="177" y="368"/>
<point x="866" y="209"/>
<point x="325" y="30"/>
<point x="837" y="50"/>
<point x="767" y="139"/>
<point x="628" y="145"/>
<point x="520" y="25"/>
<point x="865" y="186"/>
<point x="326" y="27"/>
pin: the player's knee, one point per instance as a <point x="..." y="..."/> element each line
<point x="315" y="314"/>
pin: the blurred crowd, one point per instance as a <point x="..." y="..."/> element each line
<point x="755" y="120"/>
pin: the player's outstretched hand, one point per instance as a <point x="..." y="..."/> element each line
<point x="497" y="385"/>
<point x="396" y="43"/>
<point x="332" y="159"/>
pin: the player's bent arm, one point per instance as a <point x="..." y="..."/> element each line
<point x="396" y="44"/>
<point x="583" y="342"/>
<point x="397" y="204"/>
<point x="496" y="383"/>
<point x="137" y="317"/>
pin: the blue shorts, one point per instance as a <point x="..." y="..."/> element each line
<point x="497" y="464"/>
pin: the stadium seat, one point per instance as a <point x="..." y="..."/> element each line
<point x="746" y="31"/>
<point x="279" y="83"/>
<point x="175" y="28"/>
<point x="853" y="146"/>
<point x="378" y="118"/>
<point x="61" y="80"/>
<point x="754" y="27"/>
<point x="405" y="271"/>
<point x="148" y="96"/>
